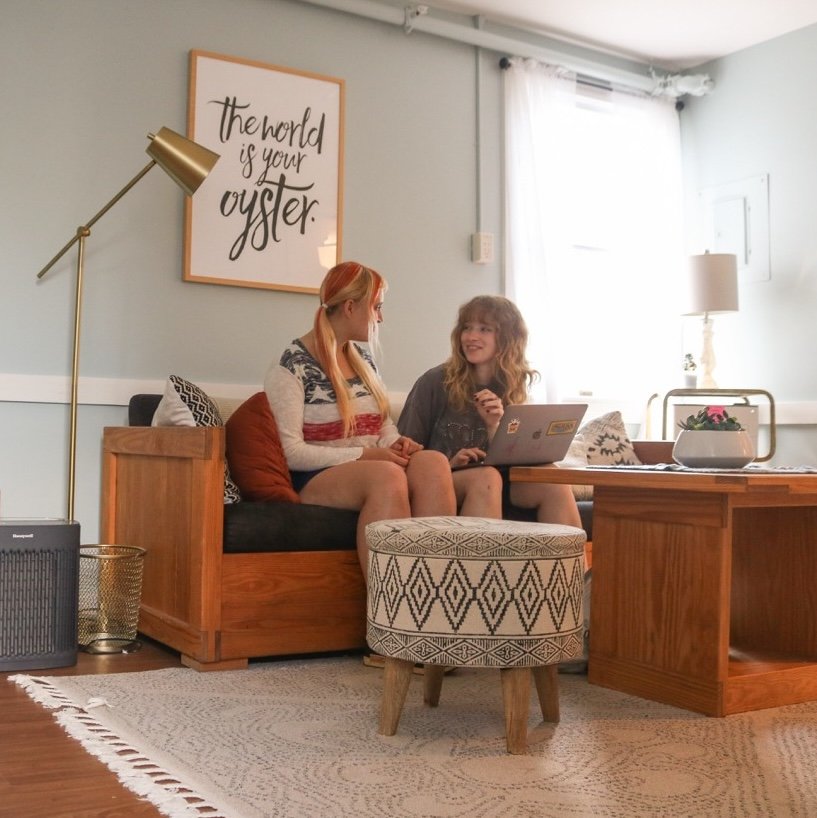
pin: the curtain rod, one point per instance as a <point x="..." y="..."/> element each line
<point x="414" y="18"/>
<point x="590" y="82"/>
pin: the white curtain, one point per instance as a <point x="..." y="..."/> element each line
<point x="594" y="232"/>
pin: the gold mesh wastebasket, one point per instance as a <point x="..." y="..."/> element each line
<point x="110" y="590"/>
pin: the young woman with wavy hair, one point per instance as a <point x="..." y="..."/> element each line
<point x="456" y="407"/>
<point x="332" y="412"/>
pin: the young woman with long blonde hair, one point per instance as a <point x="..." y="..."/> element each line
<point x="332" y="411"/>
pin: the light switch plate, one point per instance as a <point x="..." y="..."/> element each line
<point x="482" y="248"/>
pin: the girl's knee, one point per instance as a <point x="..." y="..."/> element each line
<point x="381" y="476"/>
<point x="389" y="473"/>
<point x="482" y="482"/>
<point x="492" y="476"/>
<point x="430" y="460"/>
<point x="486" y="478"/>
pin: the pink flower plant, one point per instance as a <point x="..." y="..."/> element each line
<point x="711" y="419"/>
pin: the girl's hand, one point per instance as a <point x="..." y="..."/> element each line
<point x="405" y="446"/>
<point x="390" y="454"/>
<point x="490" y="409"/>
<point x="465" y="456"/>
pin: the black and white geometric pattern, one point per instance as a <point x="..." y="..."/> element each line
<point x="474" y="591"/>
<point x="205" y="413"/>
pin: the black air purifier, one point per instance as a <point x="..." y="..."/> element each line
<point x="39" y="579"/>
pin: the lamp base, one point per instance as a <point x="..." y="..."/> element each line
<point x="707" y="379"/>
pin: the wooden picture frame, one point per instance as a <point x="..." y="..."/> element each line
<point x="269" y="215"/>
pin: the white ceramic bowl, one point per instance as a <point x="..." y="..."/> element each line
<point x="713" y="450"/>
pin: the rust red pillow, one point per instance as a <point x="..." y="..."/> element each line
<point x="255" y="455"/>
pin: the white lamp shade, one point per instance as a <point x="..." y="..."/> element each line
<point x="713" y="284"/>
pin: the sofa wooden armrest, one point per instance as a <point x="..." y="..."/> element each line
<point x="163" y="490"/>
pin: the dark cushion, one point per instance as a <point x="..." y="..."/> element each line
<point x="251" y="526"/>
<point x="141" y="409"/>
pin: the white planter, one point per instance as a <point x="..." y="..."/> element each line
<point x="713" y="450"/>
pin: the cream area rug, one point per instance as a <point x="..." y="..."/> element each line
<point x="298" y="739"/>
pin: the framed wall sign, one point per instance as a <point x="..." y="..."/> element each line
<point x="269" y="213"/>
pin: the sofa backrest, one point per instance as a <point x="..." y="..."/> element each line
<point x="142" y="407"/>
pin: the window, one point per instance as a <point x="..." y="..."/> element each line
<point x="594" y="215"/>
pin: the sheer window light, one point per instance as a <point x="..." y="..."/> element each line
<point x="594" y="214"/>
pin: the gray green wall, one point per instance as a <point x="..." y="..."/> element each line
<point x="762" y="119"/>
<point x="83" y="82"/>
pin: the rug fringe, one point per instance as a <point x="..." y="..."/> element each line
<point x="133" y="769"/>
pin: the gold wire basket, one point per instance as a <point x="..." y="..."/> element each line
<point x="110" y="590"/>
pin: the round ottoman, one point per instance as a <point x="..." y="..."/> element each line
<point x="469" y="591"/>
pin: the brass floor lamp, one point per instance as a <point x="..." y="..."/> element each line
<point x="188" y="164"/>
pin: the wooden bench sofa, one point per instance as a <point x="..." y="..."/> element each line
<point x="211" y="588"/>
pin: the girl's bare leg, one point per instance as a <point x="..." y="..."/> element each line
<point x="431" y="491"/>
<point x="553" y="503"/>
<point x="479" y="492"/>
<point x="375" y="488"/>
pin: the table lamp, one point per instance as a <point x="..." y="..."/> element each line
<point x="188" y="164"/>
<point x="713" y="288"/>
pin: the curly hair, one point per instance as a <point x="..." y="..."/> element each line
<point x="511" y="366"/>
<point x="349" y="280"/>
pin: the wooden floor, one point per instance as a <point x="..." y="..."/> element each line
<point x="46" y="774"/>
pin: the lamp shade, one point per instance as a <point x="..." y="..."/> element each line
<point x="183" y="160"/>
<point x="713" y="284"/>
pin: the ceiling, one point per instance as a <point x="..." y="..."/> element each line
<point x="671" y="35"/>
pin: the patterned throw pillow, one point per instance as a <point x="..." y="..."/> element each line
<point x="602" y="441"/>
<point x="184" y="404"/>
<point x="607" y="442"/>
<point x="255" y="454"/>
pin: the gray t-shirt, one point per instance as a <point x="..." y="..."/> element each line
<point x="428" y="418"/>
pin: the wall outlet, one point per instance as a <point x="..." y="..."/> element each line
<point x="482" y="248"/>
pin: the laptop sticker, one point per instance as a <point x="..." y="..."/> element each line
<point x="562" y="427"/>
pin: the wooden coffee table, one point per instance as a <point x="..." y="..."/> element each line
<point x="704" y="591"/>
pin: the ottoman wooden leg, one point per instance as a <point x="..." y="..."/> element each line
<point x="547" y="689"/>
<point x="396" y="680"/>
<point x="432" y="684"/>
<point x="516" y="696"/>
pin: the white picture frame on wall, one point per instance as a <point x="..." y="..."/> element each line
<point x="269" y="215"/>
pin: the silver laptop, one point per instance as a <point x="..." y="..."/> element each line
<point x="533" y="434"/>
